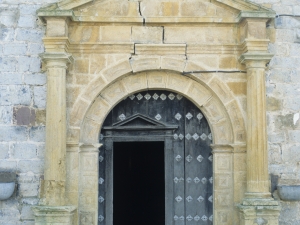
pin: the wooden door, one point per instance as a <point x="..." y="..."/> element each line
<point x="169" y="117"/>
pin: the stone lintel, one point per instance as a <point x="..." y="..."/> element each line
<point x="54" y="215"/>
<point x="57" y="56"/>
<point x="249" y="56"/>
<point x="160" y="49"/>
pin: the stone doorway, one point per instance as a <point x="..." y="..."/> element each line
<point x="185" y="137"/>
<point x="139" y="188"/>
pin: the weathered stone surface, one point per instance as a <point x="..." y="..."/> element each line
<point x="208" y="48"/>
<point x="24" y="116"/>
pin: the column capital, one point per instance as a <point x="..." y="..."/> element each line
<point x="57" y="59"/>
<point x="255" y="60"/>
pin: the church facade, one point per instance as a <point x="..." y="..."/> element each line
<point x="208" y="90"/>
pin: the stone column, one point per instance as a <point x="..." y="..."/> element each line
<point x="257" y="155"/>
<point x="258" y="207"/>
<point x="55" y="158"/>
<point x="53" y="209"/>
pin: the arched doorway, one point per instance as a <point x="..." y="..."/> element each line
<point x="155" y="140"/>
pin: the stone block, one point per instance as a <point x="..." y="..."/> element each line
<point x="136" y="82"/>
<point x="34" y="166"/>
<point x="285" y="35"/>
<point x="35" y="78"/>
<point x="294" y="136"/>
<point x="26" y="63"/>
<point x="284" y="122"/>
<point x="238" y="88"/>
<point x="11" y="78"/>
<point x="35" y="49"/>
<point x="29" y="189"/>
<point x="147" y="35"/>
<point x="8" y="64"/>
<point x="292" y="103"/>
<point x="41" y="149"/>
<point x="294" y="49"/>
<point x="28" y="9"/>
<point x="24" y="116"/>
<point x="40" y="116"/>
<point x="276" y="137"/>
<point x="117" y="71"/>
<point x="143" y="63"/>
<point x="173" y="63"/>
<point x="7" y="34"/>
<point x="4" y="148"/>
<point x="98" y="110"/>
<point x="17" y="133"/>
<point x="94" y="88"/>
<point x="8" y="165"/>
<point x="97" y="63"/>
<point x="26" y="213"/>
<point x="5" y="97"/>
<point x="78" y="112"/>
<point x="5" y="114"/>
<point x="114" y="93"/>
<point x="221" y="90"/>
<point x="282" y="9"/>
<point x="20" y="95"/>
<point x="273" y="104"/>
<point x="206" y="62"/>
<point x="14" y="49"/>
<point x="194" y="9"/>
<point x="37" y="134"/>
<point x="39" y="96"/>
<point x="170" y="8"/>
<point x="228" y="62"/>
<point x="275" y="153"/>
<point x="23" y="150"/>
<point x="27" y="21"/>
<point x="56" y="27"/>
<point x="151" y="8"/>
<point x="81" y="66"/>
<point x="157" y="79"/>
<point x="296" y="10"/>
<point x="9" y="16"/>
<point x="31" y="35"/>
<point x="115" y="34"/>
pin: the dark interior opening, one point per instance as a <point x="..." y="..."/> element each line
<point x="139" y="183"/>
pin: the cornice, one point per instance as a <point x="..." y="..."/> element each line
<point x="57" y="56"/>
<point x="254" y="56"/>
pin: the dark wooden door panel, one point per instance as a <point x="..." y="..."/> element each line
<point x="188" y="158"/>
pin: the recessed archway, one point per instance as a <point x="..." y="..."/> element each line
<point x="211" y="97"/>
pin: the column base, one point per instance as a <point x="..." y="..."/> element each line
<point x="53" y="215"/>
<point x="259" y="211"/>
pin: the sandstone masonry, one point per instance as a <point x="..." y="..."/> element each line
<point x="23" y="92"/>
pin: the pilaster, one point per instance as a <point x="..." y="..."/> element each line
<point x="258" y="207"/>
<point x="53" y="185"/>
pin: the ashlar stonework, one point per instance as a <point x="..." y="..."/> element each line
<point x="122" y="47"/>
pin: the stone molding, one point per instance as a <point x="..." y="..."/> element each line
<point x="62" y="215"/>
<point x="176" y="67"/>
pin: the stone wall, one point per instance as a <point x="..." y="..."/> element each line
<point x="22" y="105"/>
<point x="283" y="101"/>
<point x="23" y="94"/>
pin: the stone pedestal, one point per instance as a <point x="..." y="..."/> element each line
<point x="54" y="215"/>
<point x="260" y="212"/>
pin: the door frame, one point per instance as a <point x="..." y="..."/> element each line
<point x="117" y="133"/>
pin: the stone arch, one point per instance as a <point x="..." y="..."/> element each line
<point x="115" y="83"/>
